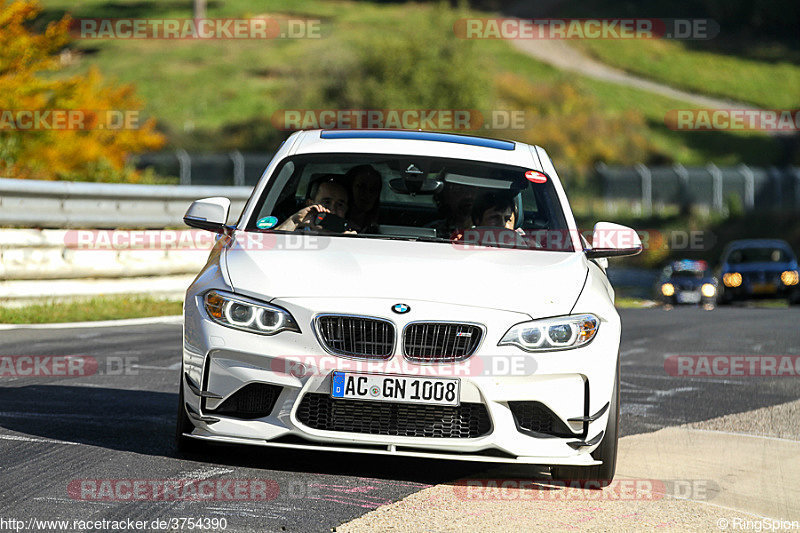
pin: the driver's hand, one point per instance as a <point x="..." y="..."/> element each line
<point x="305" y="217"/>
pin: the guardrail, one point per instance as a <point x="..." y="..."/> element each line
<point x="46" y="264"/>
<point x="709" y="186"/>
<point x="62" y="204"/>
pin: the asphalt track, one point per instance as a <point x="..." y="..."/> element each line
<point x="119" y="424"/>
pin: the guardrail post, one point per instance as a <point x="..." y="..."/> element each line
<point x="796" y="171"/>
<point x="683" y="175"/>
<point x="777" y="190"/>
<point x="185" y="166"/>
<point x="238" y="167"/>
<point x="647" y="189"/>
<point x="600" y="168"/>
<point x="716" y="176"/>
<point x="749" y="187"/>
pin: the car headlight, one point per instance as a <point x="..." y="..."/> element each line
<point x="732" y="279"/>
<point x="790" y="277"/>
<point x="246" y="314"/>
<point x="668" y="289"/>
<point x="708" y="290"/>
<point x="560" y="333"/>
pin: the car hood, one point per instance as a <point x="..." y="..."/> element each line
<point x="539" y="283"/>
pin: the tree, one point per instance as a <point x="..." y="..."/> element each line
<point x="95" y="146"/>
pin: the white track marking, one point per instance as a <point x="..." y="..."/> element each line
<point x="172" y="319"/>
<point x="21" y="438"/>
<point x="751" y="435"/>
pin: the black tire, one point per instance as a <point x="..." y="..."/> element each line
<point x="599" y="475"/>
<point x="183" y="444"/>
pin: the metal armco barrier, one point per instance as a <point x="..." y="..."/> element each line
<point x="62" y="204"/>
<point x="766" y="189"/>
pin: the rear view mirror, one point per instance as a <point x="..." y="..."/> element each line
<point x="413" y="186"/>
<point x="613" y="240"/>
<point x="209" y="214"/>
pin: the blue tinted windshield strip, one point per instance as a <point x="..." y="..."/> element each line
<point x="419" y="136"/>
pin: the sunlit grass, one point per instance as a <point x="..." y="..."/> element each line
<point x="83" y="310"/>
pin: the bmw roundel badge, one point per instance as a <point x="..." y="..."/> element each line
<point x="401" y="308"/>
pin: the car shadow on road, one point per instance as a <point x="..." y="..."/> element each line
<point x="143" y="422"/>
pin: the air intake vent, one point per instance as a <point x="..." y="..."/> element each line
<point x="320" y="411"/>
<point x="255" y="400"/>
<point x="534" y="417"/>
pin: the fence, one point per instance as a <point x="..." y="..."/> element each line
<point x="231" y="168"/>
<point x="709" y="186"/>
<point x="61" y="204"/>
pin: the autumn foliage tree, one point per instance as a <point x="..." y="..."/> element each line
<point x="31" y="81"/>
<point x="573" y="128"/>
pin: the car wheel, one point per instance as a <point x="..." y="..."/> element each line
<point x="599" y="475"/>
<point x="184" y="425"/>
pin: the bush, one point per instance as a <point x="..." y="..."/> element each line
<point x="421" y="65"/>
<point x="571" y="127"/>
<point x="29" y="64"/>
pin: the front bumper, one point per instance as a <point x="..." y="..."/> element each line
<point x="571" y="384"/>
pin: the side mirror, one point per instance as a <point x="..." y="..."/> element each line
<point x="613" y="240"/>
<point x="209" y="214"/>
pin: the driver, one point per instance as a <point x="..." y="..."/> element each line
<point x="495" y="210"/>
<point x="326" y="194"/>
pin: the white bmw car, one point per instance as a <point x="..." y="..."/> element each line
<point x="406" y="293"/>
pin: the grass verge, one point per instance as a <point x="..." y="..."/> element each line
<point x="85" y="310"/>
<point x="633" y="303"/>
<point x="673" y="63"/>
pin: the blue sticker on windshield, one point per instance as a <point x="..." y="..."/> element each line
<point x="267" y="222"/>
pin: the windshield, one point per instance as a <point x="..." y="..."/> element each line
<point x="413" y="198"/>
<point x="758" y="255"/>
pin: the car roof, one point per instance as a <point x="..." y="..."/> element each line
<point x="422" y="143"/>
<point x="758" y="243"/>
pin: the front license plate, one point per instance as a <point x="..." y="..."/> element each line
<point x="389" y="388"/>
<point x="763" y="288"/>
<point x="688" y="297"/>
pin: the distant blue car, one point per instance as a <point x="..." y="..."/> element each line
<point x="687" y="282"/>
<point x="759" y="268"/>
